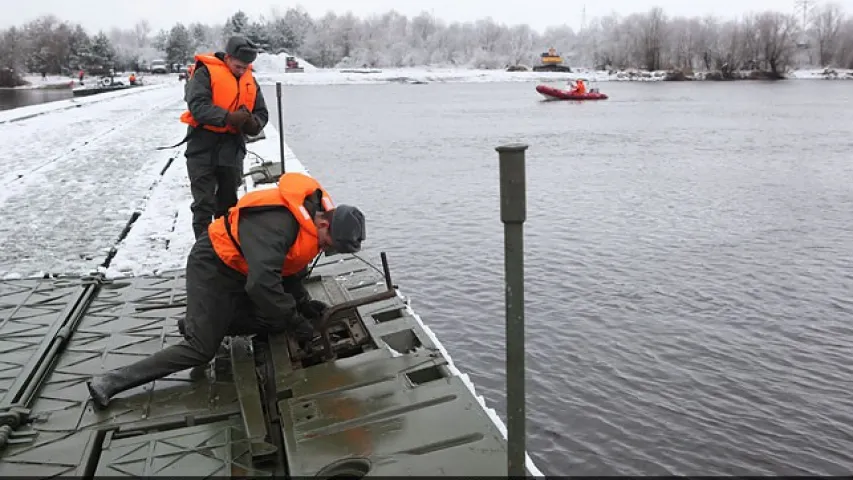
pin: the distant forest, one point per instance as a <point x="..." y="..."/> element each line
<point x="766" y="41"/>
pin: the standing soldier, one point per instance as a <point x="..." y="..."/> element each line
<point x="224" y="104"/>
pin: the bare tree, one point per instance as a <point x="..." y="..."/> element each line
<point x="776" y="33"/>
<point x="653" y="28"/>
<point x="844" y="54"/>
<point x="705" y="40"/>
<point x="682" y="32"/>
<point x="141" y="31"/>
<point x="520" y="43"/>
<point x="826" y="25"/>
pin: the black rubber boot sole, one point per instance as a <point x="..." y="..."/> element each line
<point x="98" y="400"/>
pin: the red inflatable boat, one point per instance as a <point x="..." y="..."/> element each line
<point x="552" y="93"/>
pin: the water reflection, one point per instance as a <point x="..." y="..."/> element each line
<point x="14" y="98"/>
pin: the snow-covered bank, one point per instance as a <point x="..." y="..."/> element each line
<point x="420" y="75"/>
<point x="416" y="75"/>
<point x="822" y="73"/>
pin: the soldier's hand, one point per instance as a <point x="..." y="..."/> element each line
<point x="238" y="118"/>
<point x="312" y="309"/>
<point x="251" y="126"/>
<point x="303" y="330"/>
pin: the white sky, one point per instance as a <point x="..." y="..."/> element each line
<point x="104" y="14"/>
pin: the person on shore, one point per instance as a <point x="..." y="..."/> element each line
<point x="244" y="276"/>
<point x="224" y="104"/>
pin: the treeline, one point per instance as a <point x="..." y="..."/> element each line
<point x="651" y="40"/>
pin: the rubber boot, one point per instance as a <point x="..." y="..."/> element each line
<point x="103" y="387"/>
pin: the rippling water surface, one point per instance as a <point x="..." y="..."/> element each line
<point x="689" y="258"/>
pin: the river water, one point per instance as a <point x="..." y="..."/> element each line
<point x="21" y="97"/>
<point x="689" y="258"/>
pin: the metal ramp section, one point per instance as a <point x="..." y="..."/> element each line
<point x="59" y="432"/>
<point x="217" y="449"/>
<point x="33" y="313"/>
<point x="394" y="408"/>
<point x="386" y="403"/>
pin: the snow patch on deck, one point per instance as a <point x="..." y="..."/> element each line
<point x="161" y="238"/>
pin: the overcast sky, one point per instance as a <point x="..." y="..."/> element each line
<point x="103" y="14"/>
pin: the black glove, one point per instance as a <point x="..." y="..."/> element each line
<point x="303" y="329"/>
<point x="238" y="118"/>
<point x="312" y="309"/>
<point x="251" y="126"/>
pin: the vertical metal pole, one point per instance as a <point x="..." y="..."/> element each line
<point x="513" y="215"/>
<point x="280" y="125"/>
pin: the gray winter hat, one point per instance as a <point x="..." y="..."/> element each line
<point x="347" y="230"/>
<point x="242" y="49"/>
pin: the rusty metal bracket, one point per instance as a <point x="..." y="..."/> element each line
<point x="338" y="312"/>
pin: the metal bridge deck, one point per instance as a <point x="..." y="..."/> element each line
<point x="393" y="409"/>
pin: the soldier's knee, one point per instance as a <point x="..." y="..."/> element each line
<point x="206" y="351"/>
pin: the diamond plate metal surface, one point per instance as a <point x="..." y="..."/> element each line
<point x="113" y="334"/>
<point x="31" y="311"/>
<point x="393" y="409"/>
<point x="218" y="449"/>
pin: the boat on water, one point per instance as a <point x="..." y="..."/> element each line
<point x="554" y="93"/>
<point x="86" y="91"/>
<point x="104" y="85"/>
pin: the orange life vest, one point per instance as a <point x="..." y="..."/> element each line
<point x="228" y="92"/>
<point x="293" y="189"/>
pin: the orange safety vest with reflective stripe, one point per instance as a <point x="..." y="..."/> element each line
<point x="229" y="92"/>
<point x="293" y="189"/>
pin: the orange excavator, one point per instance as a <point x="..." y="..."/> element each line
<point x="293" y="66"/>
<point x="552" y="62"/>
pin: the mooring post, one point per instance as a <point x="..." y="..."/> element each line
<point x="280" y="125"/>
<point x="513" y="215"/>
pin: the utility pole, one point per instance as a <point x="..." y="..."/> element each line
<point x="804" y="7"/>
<point x="583" y="18"/>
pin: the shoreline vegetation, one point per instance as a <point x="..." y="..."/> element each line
<point x="767" y="45"/>
<point x="428" y="74"/>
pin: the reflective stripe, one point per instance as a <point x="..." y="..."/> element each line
<point x="327" y="204"/>
<point x="304" y="212"/>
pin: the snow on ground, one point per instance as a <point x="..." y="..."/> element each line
<point x="38" y="143"/>
<point x="416" y="75"/>
<point x="51" y="81"/>
<point x="82" y="175"/>
<point x="822" y="73"/>
<point x="162" y="236"/>
<point x="60" y="81"/>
